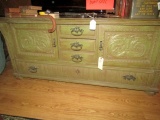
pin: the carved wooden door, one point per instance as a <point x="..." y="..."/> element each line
<point x="33" y="42"/>
<point x="129" y="46"/>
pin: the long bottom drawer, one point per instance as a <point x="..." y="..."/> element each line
<point x="114" y="78"/>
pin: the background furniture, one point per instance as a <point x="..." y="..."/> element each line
<point x="2" y="55"/>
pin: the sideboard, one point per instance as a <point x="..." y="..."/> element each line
<point x="130" y="49"/>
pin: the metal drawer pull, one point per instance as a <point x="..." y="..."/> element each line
<point x="32" y="69"/>
<point x="77" y="58"/>
<point x="129" y="77"/>
<point x="76" y="46"/>
<point x="100" y="46"/>
<point x="54" y="42"/>
<point x="76" y="31"/>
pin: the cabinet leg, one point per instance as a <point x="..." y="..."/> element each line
<point x="18" y="77"/>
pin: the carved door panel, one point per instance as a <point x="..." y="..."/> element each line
<point x="129" y="46"/>
<point x="32" y="41"/>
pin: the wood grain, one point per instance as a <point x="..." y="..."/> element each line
<point x="51" y="100"/>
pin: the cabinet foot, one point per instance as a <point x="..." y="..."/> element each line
<point x="18" y="77"/>
<point x="150" y="92"/>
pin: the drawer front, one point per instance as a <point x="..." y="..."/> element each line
<point x="76" y="31"/>
<point x="136" y="79"/>
<point x="113" y="78"/>
<point x="62" y="72"/>
<point x="77" y="44"/>
<point x="77" y="57"/>
<point x="35" y="69"/>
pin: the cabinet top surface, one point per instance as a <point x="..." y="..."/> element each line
<point x="67" y="21"/>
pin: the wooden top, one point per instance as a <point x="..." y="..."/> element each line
<point x="113" y="21"/>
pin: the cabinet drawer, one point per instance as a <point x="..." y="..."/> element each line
<point x="58" y="72"/>
<point x="76" y="31"/>
<point x="38" y="70"/>
<point x="113" y="78"/>
<point x="31" y="68"/>
<point x="136" y="79"/>
<point x="78" y="57"/>
<point x="77" y="44"/>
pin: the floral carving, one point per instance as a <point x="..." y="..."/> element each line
<point x="31" y="41"/>
<point x="129" y="45"/>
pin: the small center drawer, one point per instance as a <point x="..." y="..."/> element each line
<point x="77" y="44"/>
<point x="76" y="31"/>
<point x="78" y="57"/>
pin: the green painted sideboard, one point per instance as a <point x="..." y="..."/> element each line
<point x="130" y="48"/>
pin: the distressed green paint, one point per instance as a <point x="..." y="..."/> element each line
<point x="130" y="48"/>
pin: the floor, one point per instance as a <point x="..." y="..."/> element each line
<point x="51" y="100"/>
